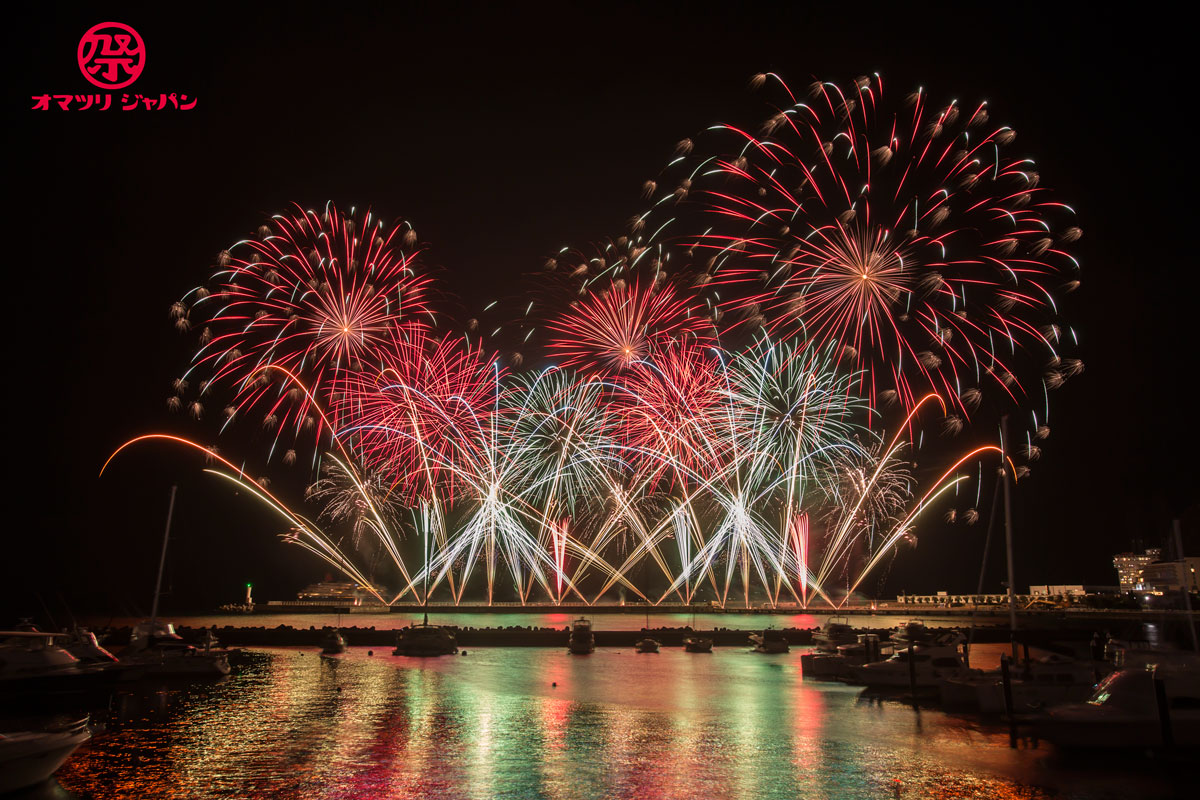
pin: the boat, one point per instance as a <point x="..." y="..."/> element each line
<point x="82" y="643"/>
<point x="769" y="641"/>
<point x="646" y="645"/>
<point x="1124" y="711"/>
<point x="34" y="657"/>
<point x="1035" y="685"/>
<point x="929" y="665"/>
<point x="332" y="642"/>
<point x="156" y="649"/>
<point x="29" y="757"/>
<point x="824" y="665"/>
<point x="836" y="631"/>
<point x="914" y="632"/>
<point x="582" y="640"/>
<point x="425" y="640"/>
<point x="694" y="643"/>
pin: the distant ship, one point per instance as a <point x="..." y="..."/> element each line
<point x="339" y="593"/>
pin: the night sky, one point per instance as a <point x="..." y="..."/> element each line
<point x="504" y="134"/>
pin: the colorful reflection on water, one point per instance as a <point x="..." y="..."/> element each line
<point x="537" y="619"/>
<point x="538" y="723"/>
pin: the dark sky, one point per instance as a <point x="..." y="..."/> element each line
<point x="505" y="132"/>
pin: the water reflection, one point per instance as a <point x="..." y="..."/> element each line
<point x="538" y="723"/>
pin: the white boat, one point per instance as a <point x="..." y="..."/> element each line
<point x="835" y="632"/>
<point x="824" y="665"/>
<point x="425" y="640"/>
<point x="1035" y="685"/>
<point x="35" y="656"/>
<point x="155" y="649"/>
<point x="694" y="643"/>
<point x="582" y="640"/>
<point x="769" y="641"/>
<point x="930" y="664"/>
<point x="1124" y="711"/>
<point x="647" y="645"/>
<point x="82" y="644"/>
<point x="30" y="757"/>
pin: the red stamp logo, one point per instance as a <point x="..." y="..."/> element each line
<point x="111" y="55"/>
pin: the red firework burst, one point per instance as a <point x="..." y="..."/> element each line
<point x="611" y="331"/>
<point x="673" y="404"/>
<point x="902" y="232"/>
<point x="422" y="417"/>
<point x="316" y="294"/>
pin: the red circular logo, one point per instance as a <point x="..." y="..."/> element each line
<point x="111" y="55"/>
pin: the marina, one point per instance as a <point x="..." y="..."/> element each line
<point x="540" y="723"/>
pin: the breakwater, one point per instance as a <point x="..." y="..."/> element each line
<point x="525" y="636"/>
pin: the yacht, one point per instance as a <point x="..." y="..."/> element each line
<point x="425" y="640"/>
<point x="836" y="631"/>
<point x="647" y="645"/>
<point x="582" y="640"/>
<point x="1124" y="711"/>
<point x="694" y="643"/>
<point x="156" y="649"/>
<point x="332" y="642"/>
<point x="867" y="650"/>
<point x="930" y="665"/>
<point x="29" y="757"/>
<point x="82" y="643"/>
<point x="34" y="656"/>
<point x="769" y="641"/>
<point x="1035" y="684"/>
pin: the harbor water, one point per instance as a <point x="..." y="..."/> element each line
<point x="539" y="723"/>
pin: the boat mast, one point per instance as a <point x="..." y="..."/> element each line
<point x="1008" y="534"/>
<point x="162" y="559"/>
<point x="425" y="548"/>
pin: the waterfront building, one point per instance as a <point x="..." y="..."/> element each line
<point x="1129" y="568"/>
<point x="1171" y="576"/>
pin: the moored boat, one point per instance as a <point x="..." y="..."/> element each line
<point x="582" y="641"/>
<point x="29" y="757"/>
<point x="769" y="641"/>
<point x="921" y="667"/>
<point x="1127" y="711"/>
<point x="425" y="640"/>
<point x="647" y="645"/>
<point x="156" y="649"/>
<point x="694" y="643"/>
<point x="332" y="642"/>
<point x="835" y="632"/>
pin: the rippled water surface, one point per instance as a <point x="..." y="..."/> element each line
<point x="494" y="724"/>
<point x="606" y="621"/>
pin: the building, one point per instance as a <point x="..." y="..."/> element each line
<point x="1171" y="576"/>
<point x="1129" y="568"/>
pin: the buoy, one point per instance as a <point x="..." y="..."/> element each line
<point x="464" y="652"/>
<point x="370" y="652"/>
<point x="554" y="683"/>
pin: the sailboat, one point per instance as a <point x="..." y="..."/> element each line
<point x="425" y="639"/>
<point x="694" y="642"/>
<point x="647" y="644"/>
<point x="154" y="646"/>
